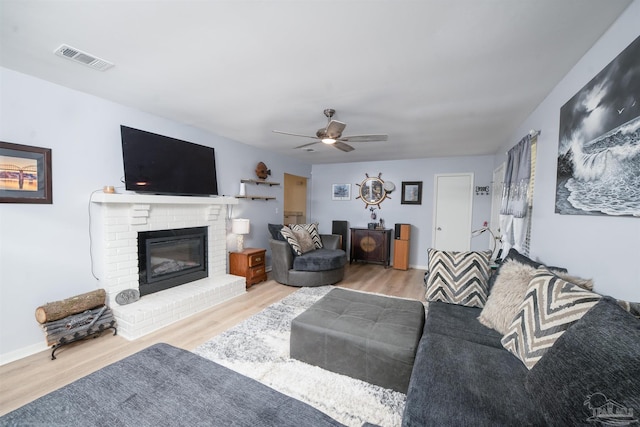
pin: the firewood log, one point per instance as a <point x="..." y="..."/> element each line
<point x="55" y="335"/>
<point x="70" y="336"/>
<point x="66" y="324"/>
<point x="59" y="309"/>
<point x="66" y="321"/>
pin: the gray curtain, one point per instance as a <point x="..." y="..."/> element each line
<point x="514" y="207"/>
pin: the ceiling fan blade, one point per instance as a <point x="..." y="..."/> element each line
<point x="364" y="138"/>
<point x="294" y="134"/>
<point x="342" y="146"/>
<point x="334" y="129"/>
<point x="333" y="133"/>
<point x="305" y="145"/>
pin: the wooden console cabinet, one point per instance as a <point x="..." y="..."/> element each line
<point x="249" y="263"/>
<point x="371" y="245"/>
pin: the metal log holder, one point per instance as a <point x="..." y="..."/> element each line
<point x="89" y="324"/>
<point x="77" y="337"/>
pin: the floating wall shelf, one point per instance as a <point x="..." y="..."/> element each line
<point x="258" y="182"/>
<point x="256" y="197"/>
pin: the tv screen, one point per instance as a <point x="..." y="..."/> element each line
<point x="163" y="165"/>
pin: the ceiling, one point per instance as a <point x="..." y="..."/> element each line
<point x="440" y="77"/>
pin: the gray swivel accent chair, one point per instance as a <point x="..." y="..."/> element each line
<point x="320" y="267"/>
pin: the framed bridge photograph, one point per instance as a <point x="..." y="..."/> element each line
<point x="25" y="174"/>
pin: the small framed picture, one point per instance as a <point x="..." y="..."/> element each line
<point x="25" y="174"/>
<point x="411" y="193"/>
<point x="341" y="192"/>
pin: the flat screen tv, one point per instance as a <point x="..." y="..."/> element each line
<point x="162" y="165"/>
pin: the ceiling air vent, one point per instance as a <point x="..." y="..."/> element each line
<point x="82" y="57"/>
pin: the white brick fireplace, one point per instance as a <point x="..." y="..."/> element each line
<point x="116" y="221"/>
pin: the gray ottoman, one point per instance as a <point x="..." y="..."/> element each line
<point x="369" y="337"/>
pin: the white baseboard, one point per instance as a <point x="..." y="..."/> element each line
<point x="12" y="356"/>
<point x="419" y="267"/>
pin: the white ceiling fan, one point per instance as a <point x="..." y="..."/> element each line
<point x="332" y="134"/>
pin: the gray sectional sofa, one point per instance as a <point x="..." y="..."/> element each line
<point x="464" y="376"/>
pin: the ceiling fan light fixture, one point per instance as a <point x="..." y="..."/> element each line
<point x="331" y="135"/>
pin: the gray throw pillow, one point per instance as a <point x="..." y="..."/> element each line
<point x="291" y="239"/>
<point x="506" y="295"/>
<point x="313" y="231"/>
<point x="590" y="375"/>
<point x="274" y="231"/>
<point x="304" y="240"/>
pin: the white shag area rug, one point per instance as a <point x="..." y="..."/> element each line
<point x="259" y="348"/>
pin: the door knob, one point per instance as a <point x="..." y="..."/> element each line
<point x="439" y="229"/>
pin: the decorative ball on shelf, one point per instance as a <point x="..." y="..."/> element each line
<point x="262" y="171"/>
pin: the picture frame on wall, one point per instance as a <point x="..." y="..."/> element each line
<point x="341" y="192"/>
<point x="597" y="163"/>
<point x="411" y="193"/>
<point x="25" y="174"/>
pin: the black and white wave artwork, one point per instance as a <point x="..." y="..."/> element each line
<point x="599" y="144"/>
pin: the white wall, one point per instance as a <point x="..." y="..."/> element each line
<point x="604" y="248"/>
<point x="44" y="249"/>
<point x="324" y="210"/>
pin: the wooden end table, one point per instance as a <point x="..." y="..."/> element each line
<point x="249" y="263"/>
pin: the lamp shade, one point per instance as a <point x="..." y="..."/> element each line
<point x="240" y="226"/>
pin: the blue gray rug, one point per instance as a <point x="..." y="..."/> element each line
<point x="165" y="386"/>
<point x="259" y="348"/>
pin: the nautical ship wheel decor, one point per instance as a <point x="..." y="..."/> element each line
<point x="372" y="190"/>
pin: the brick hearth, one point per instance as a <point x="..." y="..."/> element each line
<point x="116" y="221"/>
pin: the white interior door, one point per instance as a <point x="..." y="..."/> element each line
<point x="453" y="206"/>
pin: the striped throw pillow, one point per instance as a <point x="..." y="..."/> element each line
<point x="551" y="305"/>
<point x="458" y="277"/>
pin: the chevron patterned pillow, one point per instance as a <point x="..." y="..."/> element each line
<point x="551" y="305"/>
<point x="458" y="277"/>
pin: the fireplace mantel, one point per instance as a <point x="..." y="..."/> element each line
<point x="133" y="198"/>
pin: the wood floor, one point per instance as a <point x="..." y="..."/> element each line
<point x="27" y="379"/>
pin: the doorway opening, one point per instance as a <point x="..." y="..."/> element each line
<point x="295" y="199"/>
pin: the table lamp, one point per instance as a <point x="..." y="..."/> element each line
<point x="240" y="227"/>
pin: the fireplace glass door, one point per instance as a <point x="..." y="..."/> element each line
<point x="169" y="258"/>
